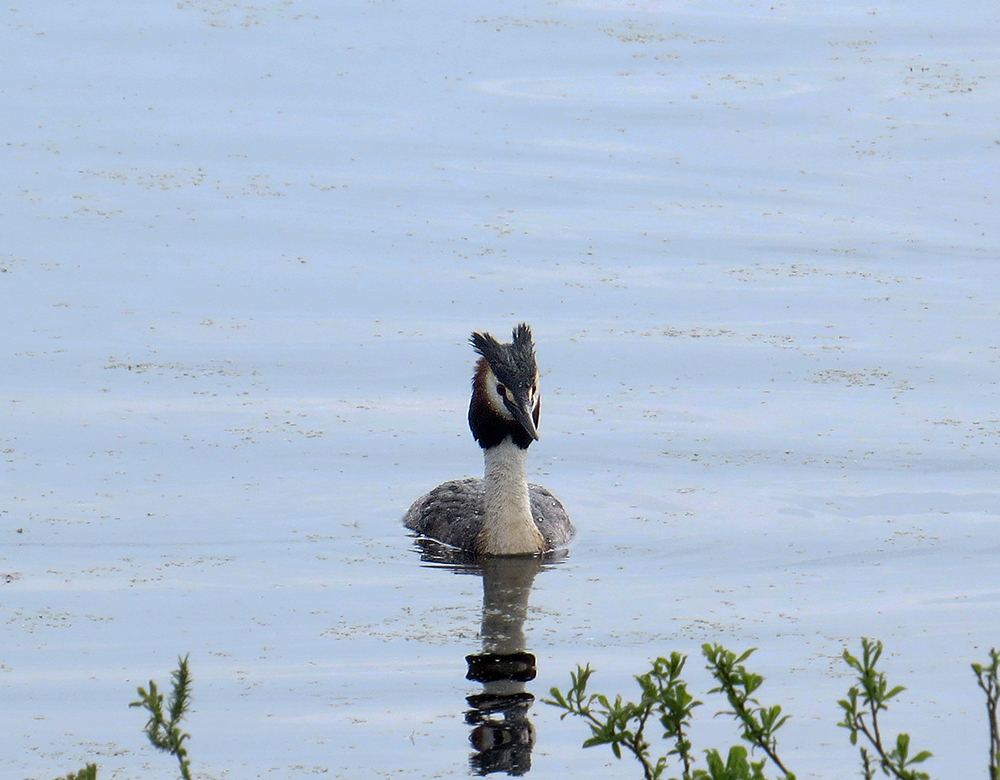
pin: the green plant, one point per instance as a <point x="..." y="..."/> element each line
<point x="861" y="708"/>
<point x="163" y="728"/>
<point x="759" y="725"/>
<point x="665" y="699"/>
<point x="622" y="724"/>
<point x="988" y="678"/>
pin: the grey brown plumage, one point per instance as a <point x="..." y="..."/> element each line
<point x="453" y="513"/>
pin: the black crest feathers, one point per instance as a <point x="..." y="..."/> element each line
<point x="514" y="363"/>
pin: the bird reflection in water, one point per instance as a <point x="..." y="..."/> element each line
<point x="502" y="733"/>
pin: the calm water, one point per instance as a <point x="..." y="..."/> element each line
<point x="245" y="245"/>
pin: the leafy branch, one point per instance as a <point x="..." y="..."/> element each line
<point x="759" y="724"/>
<point x="861" y="717"/>
<point x="163" y="728"/>
<point x="665" y="698"/>
<point x="988" y="679"/>
<point x="622" y="724"/>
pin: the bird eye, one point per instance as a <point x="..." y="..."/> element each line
<point x="501" y="390"/>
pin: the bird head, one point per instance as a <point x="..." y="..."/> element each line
<point x="505" y="398"/>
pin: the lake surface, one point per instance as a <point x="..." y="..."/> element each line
<point x="245" y="244"/>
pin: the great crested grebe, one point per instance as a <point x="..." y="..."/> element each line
<point x="500" y="514"/>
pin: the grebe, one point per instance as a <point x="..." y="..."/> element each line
<point x="500" y="514"/>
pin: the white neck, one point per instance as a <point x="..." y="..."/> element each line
<point x="508" y="528"/>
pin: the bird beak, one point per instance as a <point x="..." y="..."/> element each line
<point x="520" y="411"/>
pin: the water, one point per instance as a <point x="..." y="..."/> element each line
<point x="245" y="246"/>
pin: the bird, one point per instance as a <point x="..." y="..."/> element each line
<point x="500" y="514"/>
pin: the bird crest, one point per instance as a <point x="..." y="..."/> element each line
<point x="514" y="363"/>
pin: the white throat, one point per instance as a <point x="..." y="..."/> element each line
<point x="508" y="528"/>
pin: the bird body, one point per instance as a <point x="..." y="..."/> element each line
<point x="500" y="514"/>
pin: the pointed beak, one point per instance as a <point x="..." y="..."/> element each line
<point x="520" y="410"/>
